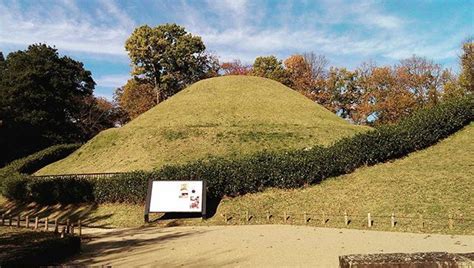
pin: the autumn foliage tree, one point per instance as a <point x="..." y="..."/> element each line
<point x="466" y="79"/>
<point x="135" y="98"/>
<point x="96" y="114"/>
<point x="235" y="67"/>
<point x="299" y="73"/>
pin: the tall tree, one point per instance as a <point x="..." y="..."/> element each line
<point x="41" y="95"/>
<point x="2" y="63"/>
<point x="169" y="58"/>
<point x="300" y="73"/>
<point x="235" y="68"/>
<point x="422" y="77"/>
<point x="42" y="101"/>
<point x="344" y="92"/>
<point x="318" y="65"/>
<point x="467" y="66"/>
<point x="270" y="67"/>
<point x="135" y="98"/>
<point x="96" y="114"/>
<point x="384" y="99"/>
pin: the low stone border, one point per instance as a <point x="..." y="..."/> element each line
<point x="406" y="260"/>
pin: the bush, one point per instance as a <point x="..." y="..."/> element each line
<point x="266" y="169"/>
<point x="13" y="177"/>
<point x="40" y="159"/>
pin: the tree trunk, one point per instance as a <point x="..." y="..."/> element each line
<point x="158" y="93"/>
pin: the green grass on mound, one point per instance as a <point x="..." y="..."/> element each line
<point x="224" y="116"/>
<point x="432" y="183"/>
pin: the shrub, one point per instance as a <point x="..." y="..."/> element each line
<point x="40" y="159"/>
<point x="254" y="173"/>
<point x="13" y="177"/>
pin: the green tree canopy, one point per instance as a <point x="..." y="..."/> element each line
<point x="467" y="66"/>
<point x="169" y="58"/>
<point x="42" y="96"/>
<point x="271" y="67"/>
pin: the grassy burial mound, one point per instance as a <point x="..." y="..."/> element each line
<point x="224" y="116"/>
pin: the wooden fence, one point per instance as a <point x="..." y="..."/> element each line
<point x="81" y="175"/>
<point x="322" y="218"/>
<point x="43" y="224"/>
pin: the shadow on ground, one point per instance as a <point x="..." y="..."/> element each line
<point x="74" y="212"/>
<point x="144" y="246"/>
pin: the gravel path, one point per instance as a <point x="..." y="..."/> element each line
<point x="251" y="246"/>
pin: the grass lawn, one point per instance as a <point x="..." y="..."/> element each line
<point x="224" y="116"/>
<point x="426" y="186"/>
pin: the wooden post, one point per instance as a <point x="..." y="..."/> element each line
<point x="305" y="218"/>
<point x="268" y="216"/>
<point x="67" y="226"/>
<point x="346" y="219"/>
<point x="247" y="216"/>
<point x="18" y="220"/>
<point x="27" y="223"/>
<point x="450" y="222"/>
<point x="422" y="221"/>
<point x="392" y="219"/>
<point x="56" y="226"/>
<point x="79" y="225"/>
<point x="324" y="218"/>
<point x="63" y="231"/>
<point x="369" y="220"/>
<point x="46" y="227"/>
<point x="225" y="217"/>
<point x="72" y="229"/>
<point x="284" y="217"/>
<point x="36" y="223"/>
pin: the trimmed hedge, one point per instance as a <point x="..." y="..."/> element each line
<point x="266" y="169"/>
<point x="14" y="176"/>
<point x="40" y="159"/>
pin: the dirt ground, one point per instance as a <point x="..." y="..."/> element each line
<point x="251" y="246"/>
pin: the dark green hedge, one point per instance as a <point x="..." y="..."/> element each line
<point x="40" y="159"/>
<point x="14" y="176"/>
<point x="267" y="169"/>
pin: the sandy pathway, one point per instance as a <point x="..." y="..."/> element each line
<point x="252" y="246"/>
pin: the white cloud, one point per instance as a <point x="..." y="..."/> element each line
<point x="113" y="80"/>
<point x="230" y="28"/>
<point x="66" y="27"/>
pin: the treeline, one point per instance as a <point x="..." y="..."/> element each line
<point x="370" y="94"/>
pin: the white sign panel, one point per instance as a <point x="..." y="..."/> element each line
<point x="176" y="196"/>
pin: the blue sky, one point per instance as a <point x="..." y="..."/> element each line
<point x="346" y="32"/>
